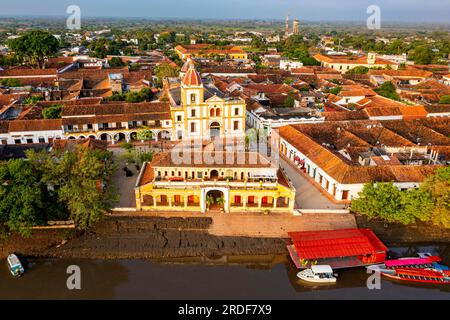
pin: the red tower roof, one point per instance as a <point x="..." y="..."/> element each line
<point x="192" y="77"/>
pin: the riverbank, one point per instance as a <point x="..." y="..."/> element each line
<point x="141" y="237"/>
<point x="394" y="233"/>
<point x="155" y="237"/>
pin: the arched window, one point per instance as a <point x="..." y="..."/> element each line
<point x="193" y="97"/>
<point x="211" y="112"/>
<point x="217" y="112"/>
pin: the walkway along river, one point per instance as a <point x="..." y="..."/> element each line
<point x="241" y="277"/>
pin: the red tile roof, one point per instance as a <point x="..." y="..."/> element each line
<point x="192" y="78"/>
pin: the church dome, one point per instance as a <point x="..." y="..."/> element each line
<point x="192" y="77"/>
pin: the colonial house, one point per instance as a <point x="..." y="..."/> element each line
<point x="203" y="50"/>
<point x="232" y="182"/>
<point x="342" y="156"/>
<point x="346" y="63"/>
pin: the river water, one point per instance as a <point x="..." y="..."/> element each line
<point x="258" y="277"/>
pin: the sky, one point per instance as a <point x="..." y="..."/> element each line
<point x="435" y="11"/>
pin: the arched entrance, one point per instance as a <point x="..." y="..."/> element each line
<point x="214" y="129"/>
<point x="215" y="200"/>
<point x="119" y="137"/>
<point x="133" y="136"/>
<point x="105" y="137"/>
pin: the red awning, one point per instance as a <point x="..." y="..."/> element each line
<point x="336" y="243"/>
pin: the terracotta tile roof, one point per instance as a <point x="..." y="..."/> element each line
<point x="408" y="73"/>
<point x="148" y="173"/>
<point x="24" y="72"/>
<point x="116" y="108"/>
<point x="35" y="125"/>
<point x="345" y="115"/>
<point x="383" y="111"/>
<point x="343" y="171"/>
<point x="413" y="112"/>
<point x="72" y="144"/>
<point x="220" y="160"/>
<point x="4" y="125"/>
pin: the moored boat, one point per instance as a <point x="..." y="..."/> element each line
<point x="424" y="268"/>
<point x="435" y="276"/>
<point x="423" y="261"/>
<point x="14" y="265"/>
<point x="317" y="274"/>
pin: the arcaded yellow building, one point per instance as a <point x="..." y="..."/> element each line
<point x="227" y="182"/>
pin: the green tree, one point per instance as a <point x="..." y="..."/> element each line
<point x="165" y="70"/>
<point x="422" y="54"/>
<point x="336" y="90"/>
<point x="358" y="70"/>
<point x="445" y="99"/>
<point x="116" y="62"/>
<point x="289" y="101"/>
<point x="11" y="82"/>
<point x="24" y="199"/>
<point x="52" y="112"/>
<point x="438" y="187"/>
<point x="83" y="180"/>
<point x="32" y="100"/>
<point x="388" y="90"/>
<point x="34" y="47"/>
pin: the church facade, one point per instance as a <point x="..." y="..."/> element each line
<point x="201" y="111"/>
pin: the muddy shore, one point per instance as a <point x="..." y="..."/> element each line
<point x="159" y="237"/>
<point x="150" y="237"/>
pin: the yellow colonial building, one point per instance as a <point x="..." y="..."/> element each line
<point x="201" y="111"/>
<point x="204" y="50"/>
<point x="202" y="181"/>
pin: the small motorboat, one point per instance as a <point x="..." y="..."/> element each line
<point x="317" y="274"/>
<point x="14" y="265"/>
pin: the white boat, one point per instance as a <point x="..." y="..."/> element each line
<point x="317" y="274"/>
<point x="15" y="266"/>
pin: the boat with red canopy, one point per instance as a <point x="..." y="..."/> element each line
<point x="337" y="248"/>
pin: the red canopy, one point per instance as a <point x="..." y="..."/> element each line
<point x="336" y="243"/>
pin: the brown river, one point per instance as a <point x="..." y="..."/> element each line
<point x="243" y="277"/>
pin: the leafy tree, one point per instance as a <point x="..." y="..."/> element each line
<point x="116" y="62"/>
<point x="438" y="187"/>
<point x="32" y="100"/>
<point x="336" y="90"/>
<point x="358" y="70"/>
<point x="82" y="179"/>
<point x="52" y="112"/>
<point x="24" y="199"/>
<point x="388" y="90"/>
<point x="422" y="54"/>
<point x="165" y="70"/>
<point x="34" y="47"/>
<point x="445" y="99"/>
<point x="430" y="202"/>
<point x="11" y="82"/>
<point x="289" y="101"/>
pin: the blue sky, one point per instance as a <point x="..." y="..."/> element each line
<point x="352" y="10"/>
